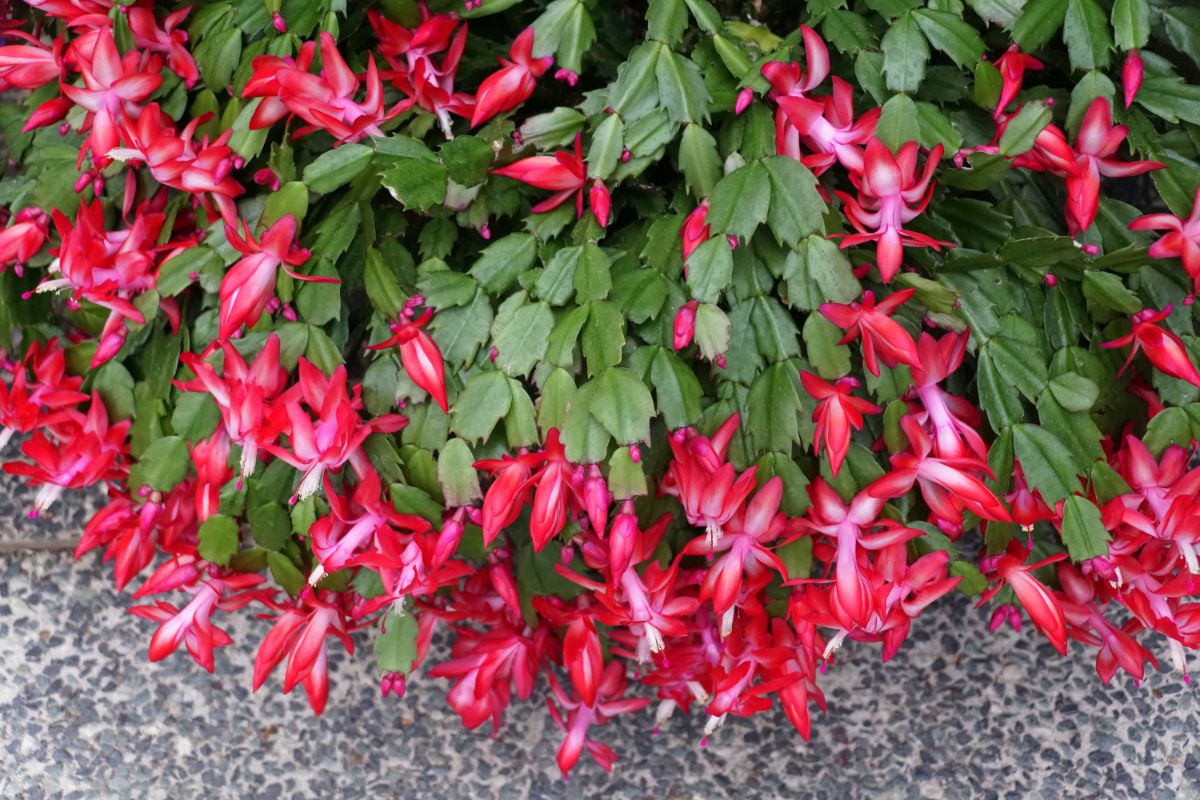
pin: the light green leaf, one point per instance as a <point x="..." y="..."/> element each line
<point x="1083" y="532"/>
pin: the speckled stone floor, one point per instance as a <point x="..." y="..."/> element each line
<point x="958" y="713"/>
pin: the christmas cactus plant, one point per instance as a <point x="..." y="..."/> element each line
<point x="648" y="363"/>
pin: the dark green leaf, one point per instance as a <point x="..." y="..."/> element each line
<point x="337" y="167"/>
<point x="905" y="53"/>
<point x="396" y="645"/>
<point x="1046" y="462"/>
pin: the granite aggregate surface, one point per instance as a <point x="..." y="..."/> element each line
<point x="959" y="712"/>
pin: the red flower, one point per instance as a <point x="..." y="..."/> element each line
<point x="249" y="284"/>
<point x="883" y="339"/>
<point x="326" y="101"/>
<point x="299" y="636"/>
<point x="410" y="54"/>
<point x="47" y="401"/>
<point x="946" y="483"/>
<point x="419" y="354"/>
<point x="112" y="85"/>
<point x="709" y="488"/>
<point x="508" y="493"/>
<point x="91" y="452"/>
<point x="1165" y="350"/>
<point x="563" y="173"/>
<point x="837" y="412"/>
<point x="334" y="437"/>
<point x="580" y="716"/>
<point x="242" y="394"/>
<point x="890" y="194"/>
<point x="1043" y="608"/>
<point x="23" y="237"/>
<point x="695" y="231"/>
<point x="1181" y="241"/>
<point x="788" y="81"/>
<point x="1084" y="164"/>
<point x="826" y="125"/>
<point x="1012" y="66"/>
<point x="176" y="160"/>
<point x="168" y="40"/>
<point x="511" y="85"/>
<point x="27" y="66"/>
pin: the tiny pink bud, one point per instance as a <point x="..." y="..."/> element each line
<point x="635" y="453"/>
<point x="744" y="98"/>
<point x="277" y="21"/>
<point x="566" y="75"/>
<point x="733" y="241"/>
<point x="485" y="232"/>
<point x="1050" y="279"/>
<point x="494" y="354"/>
<point x="1091" y="249"/>
<point x="1049" y="102"/>
<point x="289" y="313"/>
<point x="64" y="129"/>
<point x="685" y="324"/>
<point x="720" y="361"/>
<point x="625" y="155"/>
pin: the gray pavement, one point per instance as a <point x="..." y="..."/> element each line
<point x="958" y="713"/>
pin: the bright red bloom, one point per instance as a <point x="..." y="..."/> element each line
<point x="414" y="71"/>
<point x="335" y="437"/>
<point x="1090" y="159"/>
<point x="242" y="394"/>
<point x="169" y="40"/>
<point x="837" y="412"/>
<point x="92" y="452"/>
<point x="419" y="354"/>
<point x="1012" y="66"/>
<point x="192" y="625"/>
<point x="883" y="339"/>
<point x="299" y="636"/>
<point x="508" y="493"/>
<point x="947" y="484"/>
<point x="511" y="85"/>
<point x="23" y="237"/>
<point x="109" y="268"/>
<point x="326" y="101"/>
<point x="488" y="666"/>
<point x="211" y="458"/>
<point x="1181" y="241"/>
<point x="1165" y="350"/>
<point x="580" y="715"/>
<point x="954" y="421"/>
<point x="788" y="81"/>
<point x="827" y="127"/>
<point x="1039" y="602"/>
<point x="175" y="159"/>
<point x="249" y="284"/>
<point x="113" y="85"/>
<point x="47" y="401"/>
<point x="745" y="557"/>
<point x="890" y="194"/>
<point x="554" y="492"/>
<point x="563" y="173"/>
<point x="27" y="66"/>
<point x="709" y="488"/>
<point x="353" y="522"/>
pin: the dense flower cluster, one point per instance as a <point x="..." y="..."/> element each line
<point x="216" y="317"/>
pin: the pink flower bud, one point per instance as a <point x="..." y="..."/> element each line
<point x="393" y="682"/>
<point x="1132" y="72"/>
<point x="600" y="202"/>
<point x="744" y="98"/>
<point x="1050" y="279"/>
<point x="1091" y="249"/>
<point x="277" y="21"/>
<point x="635" y="453"/>
<point x="566" y="75"/>
<point x="685" y="324"/>
<point x="625" y="155"/>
